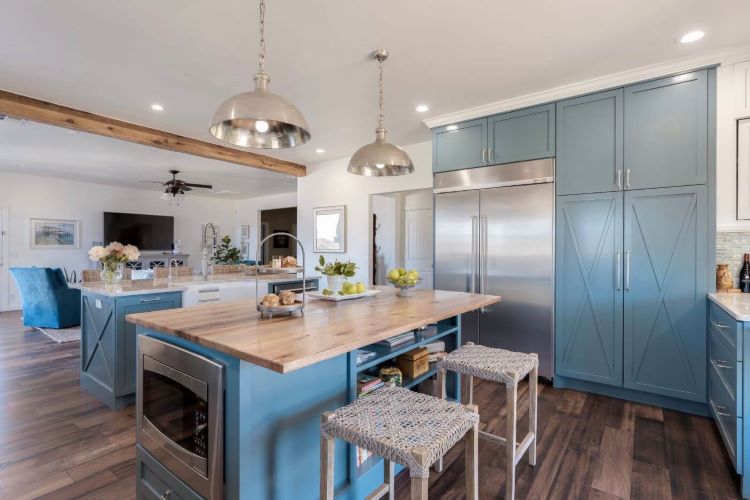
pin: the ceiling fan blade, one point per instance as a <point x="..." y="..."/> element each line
<point x="185" y="188"/>
<point x="204" y="186"/>
<point x="151" y="182"/>
<point x="224" y="191"/>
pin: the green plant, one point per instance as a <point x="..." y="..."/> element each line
<point x="336" y="268"/>
<point x="226" y="253"/>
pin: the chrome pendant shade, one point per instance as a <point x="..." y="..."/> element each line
<point x="380" y="158"/>
<point x="259" y="118"/>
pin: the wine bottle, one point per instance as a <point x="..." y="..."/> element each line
<point x="745" y="274"/>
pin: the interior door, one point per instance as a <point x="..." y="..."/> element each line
<point x="665" y="291"/>
<point x="418" y="244"/>
<point x="588" y="287"/>
<point x="516" y="263"/>
<point x="456" y="252"/>
<point x="3" y="265"/>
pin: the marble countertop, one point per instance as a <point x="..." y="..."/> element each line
<point x="139" y="287"/>
<point x="737" y="305"/>
<point x="327" y="329"/>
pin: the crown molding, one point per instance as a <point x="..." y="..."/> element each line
<point x="723" y="56"/>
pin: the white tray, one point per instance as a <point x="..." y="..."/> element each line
<point x="336" y="297"/>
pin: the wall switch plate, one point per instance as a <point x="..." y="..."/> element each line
<point x="98" y="303"/>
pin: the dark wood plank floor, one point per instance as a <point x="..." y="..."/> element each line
<point x="58" y="442"/>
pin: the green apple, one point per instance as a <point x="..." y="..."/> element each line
<point x="393" y="274"/>
<point x="360" y="287"/>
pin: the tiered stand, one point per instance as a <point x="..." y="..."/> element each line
<point x="299" y="305"/>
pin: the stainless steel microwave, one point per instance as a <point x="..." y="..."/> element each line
<point x="180" y="413"/>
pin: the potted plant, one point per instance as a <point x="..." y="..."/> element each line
<point x="226" y="253"/>
<point x="113" y="258"/>
<point x="336" y="272"/>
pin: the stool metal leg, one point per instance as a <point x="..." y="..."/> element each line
<point x="533" y="392"/>
<point x="327" y="457"/>
<point x="510" y="442"/>
<point x="471" y="449"/>
<point x="419" y="484"/>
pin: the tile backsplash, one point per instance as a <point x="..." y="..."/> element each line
<point x="729" y="249"/>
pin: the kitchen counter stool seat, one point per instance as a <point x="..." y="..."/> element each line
<point x="505" y="367"/>
<point x="404" y="427"/>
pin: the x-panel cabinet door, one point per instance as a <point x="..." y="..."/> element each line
<point x="665" y="291"/>
<point x="588" y="287"/>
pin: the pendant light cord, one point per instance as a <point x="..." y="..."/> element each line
<point x="262" y="44"/>
<point x="381" y="115"/>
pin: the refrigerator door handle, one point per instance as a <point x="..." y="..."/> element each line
<point x="483" y="256"/>
<point x="618" y="272"/>
<point x="473" y="257"/>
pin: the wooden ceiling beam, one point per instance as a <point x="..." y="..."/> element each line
<point x="28" y="108"/>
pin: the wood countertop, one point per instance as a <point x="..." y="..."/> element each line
<point x="327" y="329"/>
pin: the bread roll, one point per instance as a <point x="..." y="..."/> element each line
<point x="287" y="298"/>
<point x="270" y="300"/>
<point x="289" y="261"/>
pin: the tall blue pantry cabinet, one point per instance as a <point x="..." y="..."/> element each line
<point x="635" y="240"/>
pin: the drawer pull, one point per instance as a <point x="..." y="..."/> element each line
<point x="166" y="494"/>
<point x="722" y="364"/>
<point x="156" y="299"/>
<point x="719" y="324"/>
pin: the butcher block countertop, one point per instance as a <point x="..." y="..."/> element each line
<point x="327" y="329"/>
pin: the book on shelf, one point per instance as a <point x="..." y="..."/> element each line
<point x="363" y="355"/>
<point x="397" y="340"/>
<point x="367" y="384"/>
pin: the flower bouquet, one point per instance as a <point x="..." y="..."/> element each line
<point x="113" y="258"/>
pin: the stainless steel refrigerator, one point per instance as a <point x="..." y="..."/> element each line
<point x="494" y="234"/>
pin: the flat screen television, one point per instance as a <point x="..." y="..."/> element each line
<point x="147" y="232"/>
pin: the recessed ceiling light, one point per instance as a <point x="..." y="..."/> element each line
<point x="20" y="165"/>
<point x="452" y="127"/>
<point x="423" y="108"/>
<point x="692" y="36"/>
<point x="157" y="107"/>
<point x="320" y="150"/>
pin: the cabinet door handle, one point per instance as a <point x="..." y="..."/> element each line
<point x="722" y="364"/>
<point x="155" y="299"/>
<point x="484" y="155"/>
<point x="719" y="324"/>
<point x="627" y="271"/>
<point x="490" y="156"/>
<point x="618" y="178"/>
<point x="627" y="178"/>
<point x="618" y="272"/>
<point x="166" y="494"/>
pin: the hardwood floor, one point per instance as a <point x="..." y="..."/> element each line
<point x="58" y="442"/>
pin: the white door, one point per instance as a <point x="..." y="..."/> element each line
<point x="418" y="244"/>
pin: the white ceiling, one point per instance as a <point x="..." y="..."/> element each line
<point x="38" y="149"/>
<point x="116" y="58"/>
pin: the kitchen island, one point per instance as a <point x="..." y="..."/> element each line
<point x="108" y="343"/>
<point x="279" y="376"/>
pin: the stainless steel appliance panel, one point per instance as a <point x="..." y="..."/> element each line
<point x="516" y="262"/>
<point x="509" y="174"/>
<point x="456" y="250"/>
<point x="180" y="413"/>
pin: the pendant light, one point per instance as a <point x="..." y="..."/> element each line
<point x="380" y="158"/>
<point x="260" y="119"/>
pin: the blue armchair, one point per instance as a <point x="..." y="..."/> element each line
<point x="47" y="300"/>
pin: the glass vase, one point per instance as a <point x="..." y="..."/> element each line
<point x="112" y="273"/>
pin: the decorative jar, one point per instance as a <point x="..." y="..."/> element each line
<point x="724" y="279"/>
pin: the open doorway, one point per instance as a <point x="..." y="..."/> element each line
<point x="402" y="234"/>
<point x="278" y="220"/>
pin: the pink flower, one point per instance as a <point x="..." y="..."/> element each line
<point x="116" y="247"/>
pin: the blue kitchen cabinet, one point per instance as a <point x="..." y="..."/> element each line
<point x="665" y="273"/>
<point x="527" y="134"/>
<point x="464" y="145"/>
<point x="588" y="304"/>
<point x="108" y="342"/>
<point x="666" y="132"/>
<point x="590" y="144"/>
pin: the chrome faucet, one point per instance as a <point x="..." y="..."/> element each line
<point x="208" y="249"/>
<point x="171" y="261"/>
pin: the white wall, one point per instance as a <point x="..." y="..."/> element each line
<point x="248" y="212"/>
<point x="727" y="113"/>
<point x="26" y="196"/>
<point x="329" y="183"/>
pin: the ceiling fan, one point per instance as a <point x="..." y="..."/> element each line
<point x="174" y="189"/>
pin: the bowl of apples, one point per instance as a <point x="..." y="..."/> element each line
<point x="404" y="280"/>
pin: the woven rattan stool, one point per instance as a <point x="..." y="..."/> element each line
<point x="404" y="427"/>
<point x="506" y="367"/>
